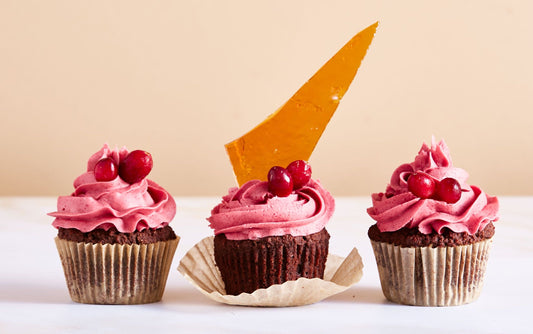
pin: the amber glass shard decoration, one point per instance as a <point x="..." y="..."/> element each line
<point x="293" y="131"/>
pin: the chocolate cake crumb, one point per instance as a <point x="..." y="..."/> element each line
<point x="113" y="236"/>
<point x="411" y="237"/>
<point x="248" y="265"/>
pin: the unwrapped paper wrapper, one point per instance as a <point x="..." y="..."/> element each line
<point x="432" y="276"/>
<point x="114" y="273"/>
<point x="199" y="267"/>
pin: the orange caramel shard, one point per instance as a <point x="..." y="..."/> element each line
<point x="292" y="132"/>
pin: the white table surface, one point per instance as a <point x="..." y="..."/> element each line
<point x="34" y="297"/>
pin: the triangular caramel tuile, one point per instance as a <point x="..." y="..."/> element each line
<point x="293" y="131"/>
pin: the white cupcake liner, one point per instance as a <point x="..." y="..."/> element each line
<point x="427" y="276"/>
<point x="199" y="267"/>
<point x="114" y="273"/>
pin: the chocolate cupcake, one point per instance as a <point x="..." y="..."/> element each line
<point x="433" y="232"/>
<point x="114" y="241"/>
<point x="265" y="236"/>
<point x="270" y="232"/>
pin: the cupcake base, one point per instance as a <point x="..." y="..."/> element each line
<point x="199" y="268"/>
<point x="248" y="265"/>
<point x="432" y="276"/>
<point x="116" y="273"/>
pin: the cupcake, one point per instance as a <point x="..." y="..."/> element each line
<point x="433" y="232"/>
<point x="271" y="246"/>
<point x="270" y="232"/>
<point x="114" y="241"/>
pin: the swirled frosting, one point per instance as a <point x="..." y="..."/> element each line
<point x="252" y="212"/>
<point x="398" y="208"/>
<point x="101" y="205"/>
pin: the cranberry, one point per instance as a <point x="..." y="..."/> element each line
<point x="279" y="181"/>
<point x="300" y="172"/>
<point x="135" y="166"/>
<point x="421" y="185"/>
<point x="448" y="190"/>
<point x="105" y="170"/>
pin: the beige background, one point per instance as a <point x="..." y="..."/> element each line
<point x="182" y="78"/>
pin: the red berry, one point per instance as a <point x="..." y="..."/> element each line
<point x="135" y="166"/>
<point x="300" y="172"/>
<point x="421" y="185"/>
<point x="105" y="170"/>
<point x="279" y="181"/>
<point x="448" y="190"/>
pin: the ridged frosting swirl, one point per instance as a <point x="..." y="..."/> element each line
<point x="101" y="205"/>
<point x="252" y="212"/>
<point x="398" y="207"/>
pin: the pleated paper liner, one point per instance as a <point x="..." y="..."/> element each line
<point x="427" y="276"/>
<point x="114" y="273"/>
<point x="199" y="267"/>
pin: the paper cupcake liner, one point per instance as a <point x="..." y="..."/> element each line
<point x="427" y="276"/>
<point x="114" y="273"/>
<point x="199" y="267"/>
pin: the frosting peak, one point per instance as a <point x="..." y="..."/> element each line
<point x="251" y="212"/>
<point x="101" y="205"/>
<point x="398" y="208"/>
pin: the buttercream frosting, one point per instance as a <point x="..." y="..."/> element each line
<point x="101" y="205"/>
<point x="252" y="212"/>
<point x="398" y="207"/>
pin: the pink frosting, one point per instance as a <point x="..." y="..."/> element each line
<point x="101" y="205"/>
<point x="397" y="207"/>
<point x="252" y="212"/>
